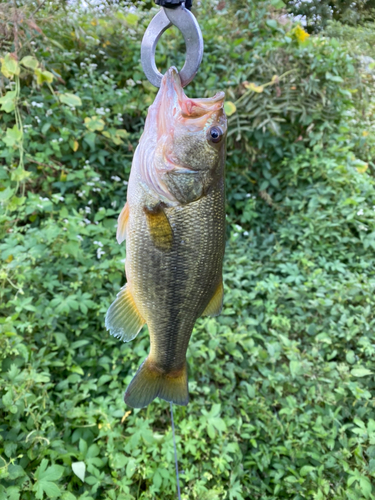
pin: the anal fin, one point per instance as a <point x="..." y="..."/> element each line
<point x="123" y="320"/>
<point x="159" y="227"/>
<point x="216" y="303"/>
<point x="122" y="224"/>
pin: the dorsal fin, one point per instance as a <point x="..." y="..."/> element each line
<point x="122" y="224"/>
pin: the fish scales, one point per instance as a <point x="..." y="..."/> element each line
<point x="174" y="225"/>
<point x="175" y="287"/>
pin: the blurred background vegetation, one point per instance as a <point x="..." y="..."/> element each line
<point x="282" y="383"/>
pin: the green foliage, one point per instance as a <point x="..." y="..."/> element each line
<point x="282" y="382"/>
<point x="317" y="13"/>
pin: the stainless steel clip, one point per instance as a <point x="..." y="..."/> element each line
<point x="185" y="21"/>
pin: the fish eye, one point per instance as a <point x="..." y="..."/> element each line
<point x="215" y="134"/>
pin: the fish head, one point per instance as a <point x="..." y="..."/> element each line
<point x="189" y="141"/>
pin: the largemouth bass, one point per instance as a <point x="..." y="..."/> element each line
<point x="174" y="226"/>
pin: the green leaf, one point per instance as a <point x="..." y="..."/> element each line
<point x="10" y="66"/>
<point x="79" y="469"/>
<point x="70" y="99"/>
<point x="361" y="372"/>
<point x="131" y="19"/>
<point x="90" y="139"/>
<point x="157" y="479"/>
<point x="6" y="194"/>
<point x="53" y="472"/>
<point x="12" y="136"/>
<point x="45" y="477"/>
<point x="278" y="4"/>
<point x="230" y="108"/>
<point x="8" y="101"/>
<point x="94" y="123"/>
<point x="43" y="76"/>
<point x="272" y="23"/>
<point x="29" y="62"/>
<point x="131" y="468"/>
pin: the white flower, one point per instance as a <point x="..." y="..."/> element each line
<point x="61" y="139"/>
<point x="66" y="221"/>
<point x="107" y="110"/>
<point x="49" y="112"/>
<point x="79" y="237"/>
<point x="80" y="194"/>
<point x="114" y="203"/>
<point x="116" y="178"/>
<point x="99" y="253"/>
<point x="125" y="183"/>
<point x="96" y="190"/>
<point x="90" y="183"/>
<point x="248" y="195"/>
<point x="360" y="212"/>
<point x="101" y="209"/>
<point x="89" y="203"/>
<point x="246" y="233"/>
<point x="88" y="210"/>
<point x="87" y="221"/>
<point x="130" y="82"/>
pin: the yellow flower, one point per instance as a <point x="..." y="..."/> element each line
<point x="255" y="88"/>
<point x="300" y="33"/>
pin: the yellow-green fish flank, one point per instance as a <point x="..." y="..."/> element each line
<point x="174" y="226"/>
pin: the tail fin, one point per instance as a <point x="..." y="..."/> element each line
<point x="150" y="382"/>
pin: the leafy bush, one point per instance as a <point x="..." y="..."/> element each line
<point x="282" y="382"/>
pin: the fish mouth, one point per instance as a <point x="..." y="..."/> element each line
<point x="174" y="105"/>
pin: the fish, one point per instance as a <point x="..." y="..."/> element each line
<point x="173" y="223"/>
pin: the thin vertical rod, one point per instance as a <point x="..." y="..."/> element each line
<point x="175" y="456"/>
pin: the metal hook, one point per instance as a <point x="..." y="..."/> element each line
<point x="185" y="21"/>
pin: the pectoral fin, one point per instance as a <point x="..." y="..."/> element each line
<point x="216" y="303"/>
<point x="122" y="224"/>
<point x="123" y="320"/>
<point x="159" y="227"/>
